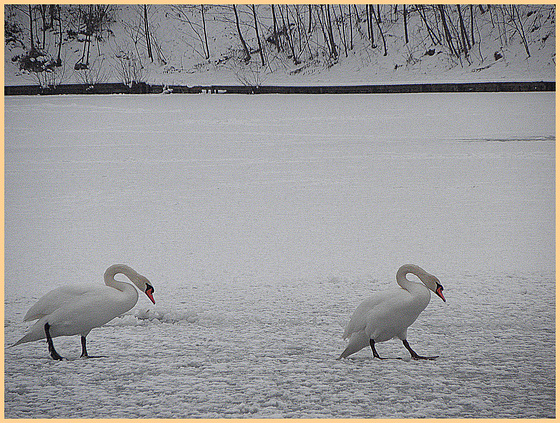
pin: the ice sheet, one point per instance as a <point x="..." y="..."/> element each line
<point x="262" y="221"/>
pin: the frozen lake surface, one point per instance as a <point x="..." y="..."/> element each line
<point x="262" y="222"/>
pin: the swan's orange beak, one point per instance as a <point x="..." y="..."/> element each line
<point x="439" y="292"/>
<point x="149" y="292"/>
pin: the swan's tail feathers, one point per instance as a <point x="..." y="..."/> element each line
<point x="35" y="333"/>
<point x="344" y="354"/>
<point x="358" y="340"/>
<point x="29" y="337"/>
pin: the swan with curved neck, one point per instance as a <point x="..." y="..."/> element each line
<point x="387" y="315"/>
<point x="76" y="310"/>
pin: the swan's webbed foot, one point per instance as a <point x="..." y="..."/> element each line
<point x="413" y="354"/>
<point x="419" y="357"/>
<point x="52" y="351"/>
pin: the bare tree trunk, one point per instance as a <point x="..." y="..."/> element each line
<point x="89" y="33"/>
<point x="405" y="25"/>
<point x="369" y="12"/>
<point x="446" y="31"/>
<point x="295" y="16"/>
<point x="378" y="21"/>
<point x="369" y="28"/>
<point x="464" y="35"/>
<point x="275" y="36"/>
<point x="519" y="28"/>
<point x="320" y="18"/>
<point x="245" y="49"/>
<point x="350" y="28"/>
<point x="257" y="34"/>
<point x="433" y="36"/>
<point x="341" y="32"/>
<point x="330" y="33"/>
<point x="472" y="23"/>
<point x="502" y="29"/>
<point x="206" y="49"/>
<point x="31" y="27"/>
<point x="299" y="25"/>
<point x="88" y="44"/>
<point x="436" y="26"/>
<point x="58" y="59"/>
<point x="358" y="19"/>
<point x="43" y="12"/>
<point x="147" y="34"/>
<point x="286" y="24"/>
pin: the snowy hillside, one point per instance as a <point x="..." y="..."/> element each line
<point x="505" y="44"/>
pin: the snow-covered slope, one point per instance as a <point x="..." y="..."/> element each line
<point x="498" y="55"/>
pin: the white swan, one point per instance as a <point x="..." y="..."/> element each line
<point x="76" y="310"/>
<point x="387" y="315"/>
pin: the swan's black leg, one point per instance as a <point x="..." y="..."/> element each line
<point x="54" y="354"/>
<point x="372" y="345"/>
<point x="414" y="355"/>
<point x="84" y="350"/>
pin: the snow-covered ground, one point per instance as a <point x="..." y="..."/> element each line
<point x="262" y="221"/>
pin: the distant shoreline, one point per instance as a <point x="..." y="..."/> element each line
<point x="143" y="88"/>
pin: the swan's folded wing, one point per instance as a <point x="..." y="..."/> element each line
<point x="55" y="299"/>
<point x="359" y="319"/>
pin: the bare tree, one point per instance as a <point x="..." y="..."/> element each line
<point x="378" y="21"/>
<point x="464" y="36"/>
<point x="287" y="26"/>
<point x="334" y="52"/>
<point x="275" y="38"/>
<point x="350" y="28"/>
<point x="369" y="10"/>
<point x="326" y="27"/>
<point x="257" y="34"/>
<point x="147" y="33"/>
<point x="448" y="37"/>
<point x="43" y="12"/>
<point x="341" y="32"/>
<point x="205" y="44"/>
<point x="247" y="57"/>
<point x="471" y="9"/>
<point x="31" y="27"/>
<point x="433" y="36"/>
<point x="187" y="14"/>
<point x="58" y="58"/>
<point x="405" y="24"/>
<point x="518" y="25"/>
<point x="92" y="23"/>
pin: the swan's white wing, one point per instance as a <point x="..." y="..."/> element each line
<point x="90" y="310"/>
<point x="55" y="299"/>
<point x="67" y="315"/>
<point x="363" y="312"/>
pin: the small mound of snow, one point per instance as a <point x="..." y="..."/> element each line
<point x="143" y="317"/>
<point x="166" y="316"/>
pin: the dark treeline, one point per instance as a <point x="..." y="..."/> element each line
<point x="261" y="35"/>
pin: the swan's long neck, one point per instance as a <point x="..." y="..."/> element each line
<point x="409" y="285"/>
<point x="115" y="269"/>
